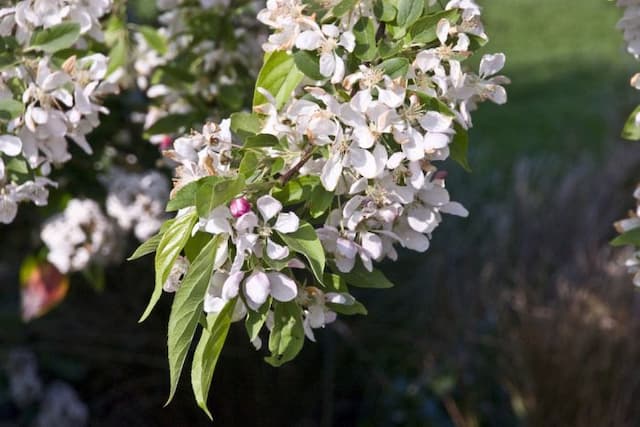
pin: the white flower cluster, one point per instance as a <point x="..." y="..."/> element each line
<point x="83" y="234"/>
<point x="59" y="103"/>
<point x="80" y="235"/>
<point x="212" y="63"/>
<point x="371" y="140"/>
<point x="137" y="200"/>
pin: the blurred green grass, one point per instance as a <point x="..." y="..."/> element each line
<point x="569" y="72"/>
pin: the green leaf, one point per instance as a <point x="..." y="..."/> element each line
<point x="459" y="147"/>
<point x="147" y="247"/>
<point x="187" y="309"/>
<point x="154" y="39"/>
<point x="631" y="237"/>
<point x="205" y="357"/>
<point x="185" y="197"/>
<point x="171" y="243"/>
<point x="58" y="37"/>
<point x="17" y="165"/>
<point x="117" y="55"/>
<point x="365" y="35"/>
<point x="631" y="130"/>
<point x="334" y="283"/>
<point x="309" y="64"/>
<point x="395" y="67"/>
<point x="263" y="140"/>
<point x="279" y="76"/>
<point x="360" y="277"/>
<point x="213" y="192"/>
<point x="389" y="48"/>
<point x="255" y="320"/>
<point x="424" y="30"/>
<point x="171" y="123"/>
<point x="287" y="336"/>
<point x="8" y="59"/>
<point x="195" y="244"/>
<point x="384" y="11"/>
<point x="348" y="310"/>
<point x="248" y="164"/>
<point x="409" y="11"/>
<point x="343" y="8"/>
<point x="290" y="194"/>
<point x="245" y="123"/>
<point x="305" y="242"/>
<point x="320" y="201"/>
<point x="10" y="108"/>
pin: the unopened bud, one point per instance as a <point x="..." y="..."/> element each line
<point x="239" y="207"/>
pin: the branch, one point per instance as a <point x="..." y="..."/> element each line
<point x="308" y="152"/>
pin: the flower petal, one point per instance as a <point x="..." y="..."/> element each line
<point x="232" y="285"/>
<point x="256" y="289"/>
<point x="10" y="145"/>
<point x="287" y="222"/>
<point x="331" y="172"/>
<point x="268" y="207"/>
<point x="283" y="288"/>
<point x="276" y="251"/>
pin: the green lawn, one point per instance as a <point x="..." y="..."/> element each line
<point x="569" y="74"/>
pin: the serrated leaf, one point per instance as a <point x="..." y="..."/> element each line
<point x="58" y="37"/>
<point x="343" y="7"/>
<point x="309" y="64"/>
<point x="395" y="67"/>
<point x="214" y="191"/>
<point x="320" y="201"/>
<point x="205" y="357"/>
<point x="17" y="165"/>
<point x="459" y="147"/>
<point x="185" y="197"/>
<point x="147" y="247"/>
<point x="409" y="11"/>
<point x="384" y="11"/>
<point x="287" y="336"/>
<point x="255" y="319"/>
<point x="334" y="283"/>
<point x="247" y="123"/>
<point x="187" y="309"/>
<point x="171" y="243"/>
<point x="360" y="277"/>
<point x="279" y="76"/>
<point x="305" y="242"/>
<point x="365" y="35"/>
<point x="424" y="29"/>
<point x="348" y="309"/>
<point x="631" y="237"/>
<point x="10" y="108"/>
<point x="263" y="140"/>
<point x="248" y="164"/>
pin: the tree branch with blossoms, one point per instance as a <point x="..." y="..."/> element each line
<point x="281" y="211"/>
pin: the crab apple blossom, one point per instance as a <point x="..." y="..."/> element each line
<point x="281" y="208"/>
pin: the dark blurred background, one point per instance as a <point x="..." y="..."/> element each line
<point x="520" y="315"/>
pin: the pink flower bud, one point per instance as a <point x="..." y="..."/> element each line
<point x="239" y="207"/>
<point x="166" y="142"/>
